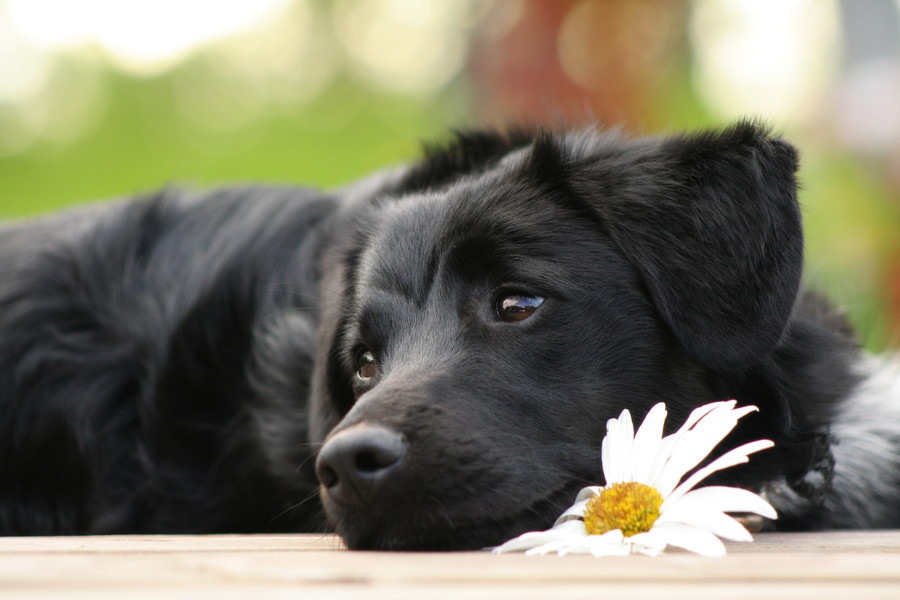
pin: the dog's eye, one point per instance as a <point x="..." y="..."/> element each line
<point x="516" y="307"/>
<point x="366" y="365"/>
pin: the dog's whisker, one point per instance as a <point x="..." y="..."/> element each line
<point x="294" y="507"/>
<point x="304" y="462"/>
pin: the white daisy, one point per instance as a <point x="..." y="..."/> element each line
<point x="645" y="506"/>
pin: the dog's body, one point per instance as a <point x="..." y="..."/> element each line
<point x="459" y="331"/>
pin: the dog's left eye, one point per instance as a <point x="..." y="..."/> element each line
<point x="366" y="365"/>
<point x="517" y="307"/>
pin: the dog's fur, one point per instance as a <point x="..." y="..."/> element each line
<point x="173" y="363"/>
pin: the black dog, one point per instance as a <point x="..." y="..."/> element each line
<point x="456" y="332"/>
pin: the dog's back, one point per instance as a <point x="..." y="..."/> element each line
<point x="126" y="343"/>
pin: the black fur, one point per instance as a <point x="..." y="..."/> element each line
<point x="172" y="364"/>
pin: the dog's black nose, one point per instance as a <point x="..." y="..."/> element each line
<point x="355" y="463"/>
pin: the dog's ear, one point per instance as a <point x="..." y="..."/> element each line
<point x="712" y="223"/>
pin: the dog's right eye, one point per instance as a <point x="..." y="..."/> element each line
<point x="366" y="365"/>
<point x="517" y="307"/>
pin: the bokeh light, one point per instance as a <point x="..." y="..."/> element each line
<point x="141" y="36"/>
<point x="404" y="46"/>
<point x="772" y="58"/>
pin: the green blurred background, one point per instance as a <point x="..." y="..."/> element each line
<point x="107" y="98"/>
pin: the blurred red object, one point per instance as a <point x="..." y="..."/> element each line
<point x="543" y="61"/>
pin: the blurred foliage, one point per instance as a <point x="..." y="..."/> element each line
<point x="852" y="222"/>
<point x="632" y="63"/>
<point x="143" y="142"/>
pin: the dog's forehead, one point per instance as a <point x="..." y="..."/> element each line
<point x="410" y="236"/>
<point x="493" y="226"/>
<point x="401" y="251"/>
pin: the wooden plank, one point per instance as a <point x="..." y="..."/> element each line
<point x="170" y="543"/>
<point x="841" y="565"/>
<point x="830" y="541"/>
<point x="824" y="541"/>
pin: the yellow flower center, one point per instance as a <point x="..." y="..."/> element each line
<point x="631" y="506"/>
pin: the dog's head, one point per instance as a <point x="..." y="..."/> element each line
<point x="483" y="318"/>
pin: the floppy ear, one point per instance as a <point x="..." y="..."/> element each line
<point x="711" y="222"/>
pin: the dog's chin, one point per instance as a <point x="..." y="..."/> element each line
<point x="458" y="539"/>
<point x="430" y="537"/>
<point x="423" y="533"/>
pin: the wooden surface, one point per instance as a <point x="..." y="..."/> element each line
<point x="846" y="566"/>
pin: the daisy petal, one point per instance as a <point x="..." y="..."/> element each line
<point x="588" y="492"/>
<point x="658" y="467"/>
<point x="608" y="452"/>
<point x="700" y="412"/>
<point x="670" y="442"/>
<point x="651" y="543"/>
<point x="605" y="464"/>
<point x="731" y="499"/>
<point x="610" y="543"/>
<point x="626" y="444"/>
<point x="576" y="511"/>
<point x="569" y="532"/>
<point x="693" y="539"/>
<point x="557" y="546"/>
<point x="704" y="517"/>
<point x="731" y="458"/>
<point x="619" y="438"/>
<point x="647" y="441"/>
<point x="696" y="444"/>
